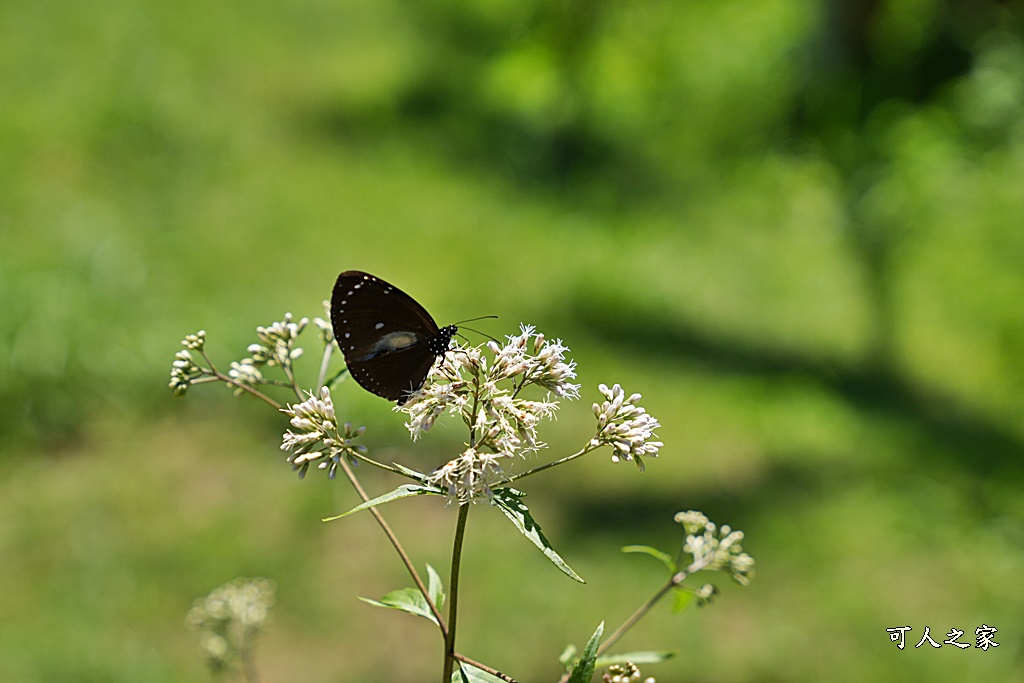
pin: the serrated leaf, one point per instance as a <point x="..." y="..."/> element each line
<point x="646" y="657"/>
<point x="409" y="600"/>
<point x="467" y="673"/>
<point x="509" y="501"/>
<point x="403" y="491"/>
<point x="584" y="669"/>
<point x="664" y="558"/>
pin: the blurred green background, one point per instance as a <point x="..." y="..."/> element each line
<point x="796" y="227"/>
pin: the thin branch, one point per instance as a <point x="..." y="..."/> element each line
<point x="540" y="468"/>
<point x="673" y="582"/>
<point x="484" y="667"/>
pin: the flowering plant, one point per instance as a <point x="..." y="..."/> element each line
<point x="492" y="390"/>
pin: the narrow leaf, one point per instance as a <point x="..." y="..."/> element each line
<point x="665" y="558"/>
<point x="510" y="502"/>
<point x="434" y="587"/>
<point x="403" y="491"/>
<point x="584" y="669"/>
<point x="635" y="657"/>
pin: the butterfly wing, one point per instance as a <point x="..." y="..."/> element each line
<point x="393" y="376"/>
<point x="389" y="341"/>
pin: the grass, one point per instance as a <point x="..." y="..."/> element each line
<point x="170" y="169"/>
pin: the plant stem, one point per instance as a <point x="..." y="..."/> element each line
<point x="324" y="362"/>
<point x="674" y="581"/>
<point x="248" y="666"/>
<point x="224" y="378"/>
<point x="484" y="667"/>
<point x="540" y="468"/>
<point x="396" y="544"/>
<point x="453" y="594"/>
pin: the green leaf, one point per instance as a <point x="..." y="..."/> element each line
<point x="665" y="558"/>
<point x="403" y="491"/>
<point x="682" y="600"/>
<point x="407" y="600"/>
<point x="467" y="673"/>
<point x="411" y="600"/>
<point x="584" y="669"/>
<point x="510" y="502"/>
<point x="647" y="657"/>
<point x="434" y="587"/>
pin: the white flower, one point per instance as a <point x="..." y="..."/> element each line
<point x="245" y="373"/>
<point x="470" y="477"/>
<point x="714" y="548"/>
<point x="317" y="436"/>
<point x="625" y="426"/>
<point x="276" y="344"/>
<point x="485" y="392"/>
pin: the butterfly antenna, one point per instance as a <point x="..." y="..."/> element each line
<point x="482" y="334"/>
<point x="469" y="320"/>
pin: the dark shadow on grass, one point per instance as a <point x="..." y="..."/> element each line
<point x="946" y="427"/>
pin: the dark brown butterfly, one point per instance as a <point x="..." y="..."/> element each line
<point x="390" y="342"/>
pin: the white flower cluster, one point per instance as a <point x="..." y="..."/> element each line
<point x="625" y="673"/>
<point x="230" y="617"/>
<point x="317" y="436"/>
<point x="276" y="344"/>
<point x="716" y="548"/>
<point x="245" y="373"/>
<point x="470" y="477"/>
<point x="184" y="369"/>
<point x="484" y="393"/>
<point x="625" y="426"/>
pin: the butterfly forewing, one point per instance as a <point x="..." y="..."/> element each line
<point x="390" y="342"/>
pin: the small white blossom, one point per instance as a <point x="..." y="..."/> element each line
<point x="245" y="373"/>
<point x="184" y="369"/>
<point x="714" y="548"/>
<point x="276" y="344"/>
<point x="625" y="673"/>
<point x="470" y="477"/>
<point x="317" y="436"/>
<point x="484" y="391"/>
<point x="625" y="426"/>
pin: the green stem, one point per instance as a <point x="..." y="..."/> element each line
<point x="224" y="378"/>
<point x="561" y="461"/>
<point x="371" y="461"/>
<point x="674" y="581"/>
<point x="453" y="594"/>
<point x="287" y="367"/>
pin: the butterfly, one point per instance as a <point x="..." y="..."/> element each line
<point x="390" y="342"/>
